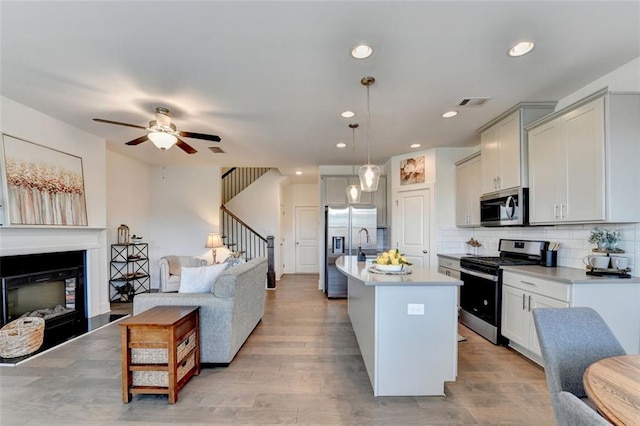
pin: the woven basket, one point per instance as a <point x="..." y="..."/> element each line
<point x="21" y="337"/>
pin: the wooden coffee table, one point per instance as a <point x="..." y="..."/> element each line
<point x="160" y="351"/>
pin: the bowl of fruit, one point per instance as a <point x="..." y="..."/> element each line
<point x="391" y="261"/>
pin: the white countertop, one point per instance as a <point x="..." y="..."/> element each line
<point x="419" y="276"/>
<point x="568" y="275"/>
<point x="454" y="256"/>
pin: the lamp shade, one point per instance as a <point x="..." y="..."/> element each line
<point x="162" y="140"/>
<point x="214" y="240"/>
<point x="369" y="177"/>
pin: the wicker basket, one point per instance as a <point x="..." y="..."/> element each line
<point x="21" y="337"/>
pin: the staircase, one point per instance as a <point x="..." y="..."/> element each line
<point x="236" y="233"/>
<point x="237" y="179"/>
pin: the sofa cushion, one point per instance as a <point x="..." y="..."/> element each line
<point x="200" y="280"/>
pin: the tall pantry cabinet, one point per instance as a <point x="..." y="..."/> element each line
<point x="583" y="162"/>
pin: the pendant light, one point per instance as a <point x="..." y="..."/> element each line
<point x="369" y="173"/>
<point x="353" y="190"/>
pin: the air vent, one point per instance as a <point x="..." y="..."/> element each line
<point x="216" y="150"/>
<point x="473" y="102"/>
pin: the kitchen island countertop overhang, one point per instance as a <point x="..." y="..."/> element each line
<point x="406" y="327"/>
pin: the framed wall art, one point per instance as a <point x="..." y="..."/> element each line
<point x="44" y="186"/>
<point x="412" y="171"/>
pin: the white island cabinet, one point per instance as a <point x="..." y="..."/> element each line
<point x="406" y="327"/>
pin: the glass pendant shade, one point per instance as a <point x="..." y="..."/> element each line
<point x="369" y="177"/>
<point x="369" y="173"/>
<point x="353" y="194"/>
<point x="162" y="140"/>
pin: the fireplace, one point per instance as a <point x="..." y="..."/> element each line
<point x="48" y="285"/>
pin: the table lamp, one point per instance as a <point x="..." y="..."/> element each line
<point x="213" y="241"/>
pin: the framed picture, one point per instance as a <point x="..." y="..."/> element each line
<point x="412" y="170"/>
<point x="44" y="186"/>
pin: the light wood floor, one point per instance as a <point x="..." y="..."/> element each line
<point x="301" y="365"/>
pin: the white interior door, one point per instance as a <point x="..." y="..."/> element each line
<point x="307" y="240"/>
<point x="411" y="219"/>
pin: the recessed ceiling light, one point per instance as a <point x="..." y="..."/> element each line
<point x="415" y="145"/>
<point x="361" y="51"/>
<point x="341" y="144"/>
<point x="348" y="114"/>
<point x="450" y="114"/>
<point x="521" y="48"/>
<point x="298" y="172"/>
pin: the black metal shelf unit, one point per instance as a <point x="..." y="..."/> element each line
<point x="129" y="271"/>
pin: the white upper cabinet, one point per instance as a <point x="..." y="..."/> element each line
<point x="583" y="162"/>
<point x="468" y="191"/>
<point x="504" y="146"/>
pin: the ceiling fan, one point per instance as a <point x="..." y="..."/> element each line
<point x="163" y="133"/>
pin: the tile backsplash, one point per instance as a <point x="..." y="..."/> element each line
<point x="572" y="237"/>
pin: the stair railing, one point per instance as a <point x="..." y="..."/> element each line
<point x="237" y="179"/>
<point x="239" y="236"/>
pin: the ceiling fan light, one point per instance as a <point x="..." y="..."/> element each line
<point x="162" y="140"/>
<point x="369" y="175"/>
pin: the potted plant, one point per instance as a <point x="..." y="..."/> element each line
<point x="605" y="239"/>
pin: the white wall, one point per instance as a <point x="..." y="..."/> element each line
<point x="259" y="206"/>
<point x="184" y="206"/>
<point x="25" y="123"/>
<point x="624" y="79"/>
<point x="128" y="196"/>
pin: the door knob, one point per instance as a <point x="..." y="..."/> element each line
<point x="425" y="251"/>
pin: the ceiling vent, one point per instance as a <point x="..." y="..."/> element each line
<point x="473" y="101"/>
<point x="216" y="150"/>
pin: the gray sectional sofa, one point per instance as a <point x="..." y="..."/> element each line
<point x="228" y="314"/>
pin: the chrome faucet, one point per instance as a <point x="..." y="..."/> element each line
<point x="366" y="232"/>
<point x="361" y="256"/>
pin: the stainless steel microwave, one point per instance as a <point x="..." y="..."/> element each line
<point x="505" y="208"/>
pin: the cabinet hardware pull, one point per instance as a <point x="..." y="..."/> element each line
<point x="186" y="341"/>
<point x="184" y="363"/>
<point x="555" y="211"/>
<point x="529" y="303"/>
<point x="523" y="306"/>
<point x="562" y="214"/>
<point x="527" y="282"/>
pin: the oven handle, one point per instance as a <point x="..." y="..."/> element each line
<point x="480" y="275"/>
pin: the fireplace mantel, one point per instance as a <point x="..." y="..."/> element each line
<point x="17" y="240"/>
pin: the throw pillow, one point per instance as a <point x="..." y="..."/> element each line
<point x="199" y="280"/>
<point x="222" y="253"/>
<point x="234" y="261"/>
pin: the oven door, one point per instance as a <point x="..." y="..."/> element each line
<point x="505" y="208"/>
<point x="480" y="303"/>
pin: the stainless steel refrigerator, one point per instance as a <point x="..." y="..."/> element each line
<point x="346" y="229"/>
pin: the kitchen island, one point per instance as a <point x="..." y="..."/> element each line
<point x="406" y="327"/>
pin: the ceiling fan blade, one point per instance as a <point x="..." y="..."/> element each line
<point x="138" y="140"/>
<point x="192" y="135"/>
<point x="185" y="147"/>
<point x="100" y="120"/>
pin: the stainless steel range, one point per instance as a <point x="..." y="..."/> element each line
<point x="481" y="294"/>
